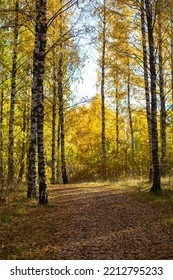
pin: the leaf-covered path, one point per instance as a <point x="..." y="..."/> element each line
<point x="87" y="222"/>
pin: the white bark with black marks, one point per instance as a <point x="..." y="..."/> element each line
<point x="104" y="171"/>
<point x="23" y="148"/>
<point x="54" y="103"/>
<point x="147" y="89"/>
<point x="13" y="99"/>
<point x="2" y="137"/>
<point x="61" y="110"/>
<point x="37" y="111"/>
<point x="130" y="119"/>
<point x="150" y="25"/>
<point x="162" y="98"/>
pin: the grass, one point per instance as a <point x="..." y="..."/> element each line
<point x="22" y="220"/>
<point x="17" y="205"/>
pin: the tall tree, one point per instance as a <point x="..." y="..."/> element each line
<point x="23" y="148"/>
<point x="61" y="108"/>
<point x="54" y="103"/>
<point x="103" y="91"/>
<point x="58" y="167"/>
<point x="162" y="94"/>
<point x="147" y="90"/>
<point x="130" y="116"/>
<point x="171" y="24"/>
<point x="13" y="97"/>
<point x="150" y="26"/>
<point x="37" y="111"/>
<point x="2" y="136"/>
<point x="117" y="113"/>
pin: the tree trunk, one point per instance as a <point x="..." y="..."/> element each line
<point x="172" y="63"/>
<point x="22" y="159"/>
<point x="117" y="118"/>
<point x="28" y="106"/>
<point x="156" y="169"/>
<point x="12" y="99"/>
<point x="147" y="91"/>
<point x="162" y="100"/>
<point x="53" y="179"/>
<point x="41" y="29"/>
<point x="61" y="111"/>
<point x="103" y="93"/>
<point x="2" y="137"/>
<point x="37" y="111"/>
<point x="130" y="120"/>
<point x="58" y="167"/>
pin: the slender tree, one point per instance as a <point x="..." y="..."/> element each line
<point x="103" y="91"/>
<point x="13" y="98"/>
<point x="117" y="114"/>
<point x="150" y="26"/>
<point x="23" y="149"/>
<point x="147" y="90"/>
<point x="130" y="118"/>
<point x="58" y="161"/>
<point x="54" y="103"/>
<point x="61" y="109"/>
<point x="58" y="176"/>
<point x="2" y="136"/>
<point x="171" y="24"/>
<point x="162" y="95"/>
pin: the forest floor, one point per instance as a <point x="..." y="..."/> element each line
<point x="89" y="221"/>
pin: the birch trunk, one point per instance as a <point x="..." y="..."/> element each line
<point x="147" y="90"/>
<point x="162" y="100"/>
<point x="37" y="111"/>
<point x="156" y="169"/>
<point x="131" y="121"/>
<point x="22" y="158"/>
<point x="58" y="167"/>
<point x="12" y="99"/>
<point x="172" y="63"/>
<point x="61" y="111"/>
<point x="2" y="137"/>
<point x="117" y="119"/>
<point x="42" y="29"/>
<point x="61" y="118"/>
<point x="103" y="93"/>
<point x="53" y="179"/>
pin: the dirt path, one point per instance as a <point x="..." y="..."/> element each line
<point x="87" y="222"/>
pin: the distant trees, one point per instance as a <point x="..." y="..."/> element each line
<point x="126" y="129"/>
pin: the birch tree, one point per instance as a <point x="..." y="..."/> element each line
<point x="130" y="117"/>
<point x="162" y="94"/>
<point x="171" y="25"/>
<point x="2" y="136"/>
<point x="54" y="107"/>
<point x="156" y="185"/>
<point x="103" y="90"/>
<point x="13" y="97"/>
<point x="146" y="83"/>
<point x="61" y="110"/>
<point x="37" y="111"/>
